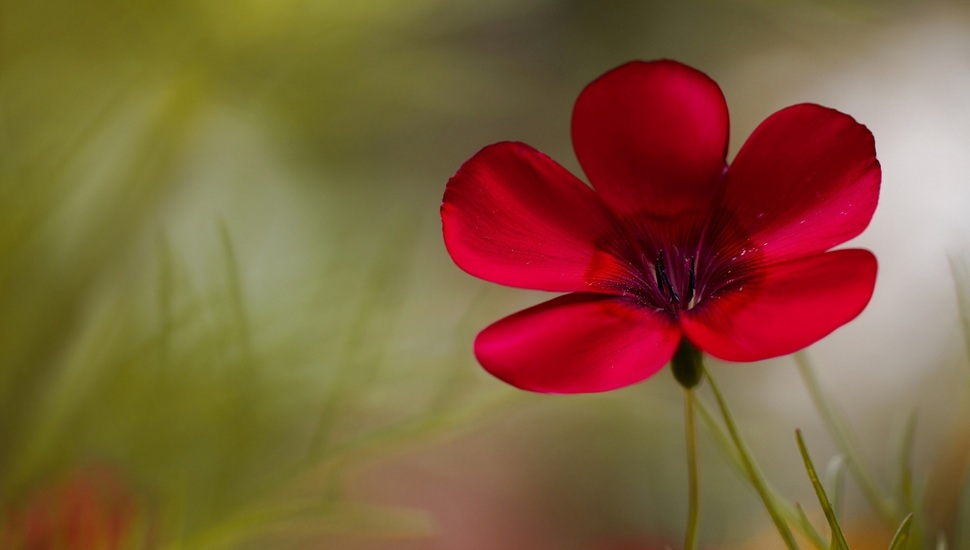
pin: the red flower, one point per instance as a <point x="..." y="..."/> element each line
<point x="672" y="243"/>
<point x="91" y="510"/>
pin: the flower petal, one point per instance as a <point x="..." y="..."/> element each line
<point x="790" y="306"/>
<point x="578" y="343"/>
<point x="652" y="137"/>
<point x="512" y="216"/>
<point x="806" y="180"/>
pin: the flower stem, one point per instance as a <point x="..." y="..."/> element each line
<point x="752" y="470"/>
<point x="693" y="513"/>
<point x="687" y="366"/>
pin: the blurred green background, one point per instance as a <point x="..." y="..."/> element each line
<point x="222" y="280"/>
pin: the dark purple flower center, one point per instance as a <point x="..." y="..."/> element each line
<point x="667" y="269"/>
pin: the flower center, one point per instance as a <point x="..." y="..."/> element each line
<point x="666" y="285"/>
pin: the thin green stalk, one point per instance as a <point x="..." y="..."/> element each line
<point x="835" y="478"/>
<point x="961" y="280"/>
<point x="840" y="433"/>
<point x="792" y="514"/>
<point x="687" y="366"/>
<point x="752" y="470"/>
<point x="902" y="534"/>
<point x="693" y="512"/>
<point x="906" y="440"/>
<point x="838" y="538"/>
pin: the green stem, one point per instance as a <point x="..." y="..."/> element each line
<point x="752" y="470"/>
<point x="902" y="534"/>
<point x="837" y="429"/>
<point x="687" y="366"/>
<point x="693" y="513"/>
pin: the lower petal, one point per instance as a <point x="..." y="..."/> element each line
<point x="578" y="343"/>
<point x="792" y="305"/>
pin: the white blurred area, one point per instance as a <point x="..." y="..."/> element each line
<point x="909" y="83"/>
<point x="913" y="90"/>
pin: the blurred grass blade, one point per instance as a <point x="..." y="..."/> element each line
<point x="835" y="478"/>
<point x="838" y="538"/>
<point x="839" y="432"/>
<point x="365" y="346"/>
<point x="902" y="534"/>
<point x="905" y="440"/>
<point x="721" y="439"/>
<point x="165" y="295"/>
<point x="961" y="282"/>
<point x="237" y="299"/>
<point x="805" y="525"/>
<point x="962" y="535"/>
<point x="332" y="518"/>
<point x="447" y="393"/>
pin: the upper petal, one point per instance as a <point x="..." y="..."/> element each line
<point x="806" y="180"/>
<point x="511" y="215"/>
<point x="578" y="343"/>
<point x="652" y="137"/>
<point x="787" y="307"/>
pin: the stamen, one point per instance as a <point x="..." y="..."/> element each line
<point x="662" y="281"/>
<point x="661" y="274"/>
<point x="691" y="281"/>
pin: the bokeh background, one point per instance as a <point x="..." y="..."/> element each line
<point x="227" y="319"/>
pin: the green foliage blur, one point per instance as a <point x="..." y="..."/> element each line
<point x="203" y="267"/>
